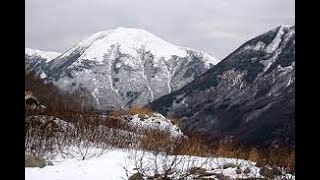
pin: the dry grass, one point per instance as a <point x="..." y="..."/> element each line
<point x="281" y="157"/>
<point x="28" y="93"/>
<point x="157" y="140"/>
<point x="254" y="155"/>
<point x="140" y="110"/>
<point x="194" y="145"/>
<point x="132" y="111"/>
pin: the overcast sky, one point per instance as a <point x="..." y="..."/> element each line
<point x="215" y="26"/>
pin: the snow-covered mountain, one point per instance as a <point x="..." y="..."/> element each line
<point x="126" y="66"/>
<point x="250" y="94"/>
<point x="36" y="60"/>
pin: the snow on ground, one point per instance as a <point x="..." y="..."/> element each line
<point x="107" y="166"/>
<point x="112" y="165"/>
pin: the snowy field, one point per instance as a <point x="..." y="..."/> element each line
<point x="112" y="165"/>
<point x="104" y="162"/>
<point x="106" y="166"/>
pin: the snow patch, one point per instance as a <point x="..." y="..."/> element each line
<point x="260" y="45"/>
<point x="95" y="91"/>
<point x="276" y="41"/>
<point x="143" y="74"/>
<point x="275" y="48"/>
<point x="157" y="121"/>
<point x="43" y="75"/>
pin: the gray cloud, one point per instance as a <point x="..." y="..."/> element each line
<point x="214" y="26"/>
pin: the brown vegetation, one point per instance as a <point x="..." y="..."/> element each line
<point x="132" y="111"/>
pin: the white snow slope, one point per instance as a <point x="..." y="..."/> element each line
<point x="129" y="40"/>
<point x="130" y="66"/>
<point x="112" y="164"/>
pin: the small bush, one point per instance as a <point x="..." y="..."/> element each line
<point x="162" y="166"/>
<point x="157" y="140"/>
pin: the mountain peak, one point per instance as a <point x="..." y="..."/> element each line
<point x="130" y="66"/>
<point x="130" y="41"/>
<point x="120" y="33"/>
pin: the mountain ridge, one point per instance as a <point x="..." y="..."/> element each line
<point x="241" y="91"/>
<point x="127" y="66"/>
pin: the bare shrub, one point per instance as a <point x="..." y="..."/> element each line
<point x="85" y="136"/>
<point x="39" y="141"/>
<point x="193" y="145"/>
<point x="157" y="140"/>
<point x="159" y="165"/>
